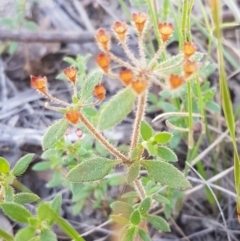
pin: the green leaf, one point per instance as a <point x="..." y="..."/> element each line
<point x="151" y="148"/>
<point x="6" y="236"/>
<point x="162" y="137"/>
<point x="48" y="235"/>
<point x="56" y="179"/>
<point x="91" y="170"/>
<point x="25" y="197"/>
<point x="166" y="154"/>
<point x="133" y="172"/>
<point x="123" y="208"/>
<point x="207" y="70"/>
<point x="16" y="212"/>
<point x="25" y="234"/>
<point x="57" y="203"/>
<point x="137" y="2"/>
<point x="161" y="199"/>
<point x="135" y="217"/>
<point x="166" y="174"/>
<point x="54" y="133"/>
<point x="213" y="106"/>
<point x="8" y="194"/>
<point x="22" y="165"/>
<point x="42" y="166"/>
<point x="89" y="83"/>
<point x="4" y="165"/>
<point x="146" y="130"/>
<point x="145" y="206"/>
<point x="63" y="224"/>
<point x="159" y="223"/>
<point x="129" y="234"/>
<point x="143" y="235"/>
<point x="119" y="219"/>
<point x="117" y="109"/>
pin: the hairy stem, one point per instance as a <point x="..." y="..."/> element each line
<point x="141" y="49"/>
<point x="57" y="101"/>
<point x="139" y="116"/>
<point x="139" y="189"/>
<point x="103" y="140"/>
<point x="121" y="62"/>
<point x="129" y="53"/>
<point x="157" y="55"/>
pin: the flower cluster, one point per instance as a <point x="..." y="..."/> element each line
<point x="139" y="73"/>
<point x="72" y="113"/>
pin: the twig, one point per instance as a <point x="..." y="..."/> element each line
<point x="26" y="36"/>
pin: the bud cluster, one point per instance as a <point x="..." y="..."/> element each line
<point x="139" y="73"/>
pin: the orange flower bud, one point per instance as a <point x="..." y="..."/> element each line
<point x="120" y="29"/>
<point x="103" y="39"/>
<point x="71" y="73"/>
<point x="73" y="116"/>
<point x="103" y="61"/>
<point x="39" y="83"/>
<point x="126" y="76"/>
<point x="189" y="68"/>
<point x="139" y="20"/>
<point x="166" y="30"/>
<point x="176" y="81"/>
<point x="99" y="91"/>
<point x="139" y="86"/>
<point x="189" y="48"/>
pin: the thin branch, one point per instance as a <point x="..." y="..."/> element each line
<point x="103" y="140"/>
<point x="44" y="37"/>
<point x="139" y="116"/>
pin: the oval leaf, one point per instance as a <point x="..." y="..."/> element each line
<point x="91" y="170"/>
<point x="89" y="83"/>
<point x="25" y="234"/>
<point x="42" y="166"/>
<point x="166" y="154"/>
<point x="161" y="199"/>
<point x="22" y="165"/>
<point x="122" y="208"/>
<point x="128" y="234"/>
<point x="119" y="219"/>
<point x="146" y="130"/>
<point x="159" y="223"/>
<point x="135" y="217"/>
<point x="25" y="197"/>
<point x="4" y="165"/>
<point x="163" y="137"/>
<point x="143" y="235"/>
<point x="166" y="174"/>
<point x="16" y="212"/>
<point x="133" y="172"/>
<point x="117" y="109"/>
<point x="145" y="206"/>
<point x="48" y="235"/>
<point x="8" y="194"/>
<point x="54" y="133"/>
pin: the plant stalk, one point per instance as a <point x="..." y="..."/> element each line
<point x="103" y="140"/>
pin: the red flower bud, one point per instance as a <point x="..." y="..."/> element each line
<point x="166" y="30"/>
<point x="139" y="20"/>
<point x="189" y="48"/>
<point x="126" y="76"/>
<point x="103" y="61"/>
<point x="103" y="39"/>
<point x="99" y="91"/>
<point x="139" y="86"/>
<point x="39" y="83"/>
<point x="73" y="116"/>
<point x="71" y="73"/>
<point x="176" y="81"/>
<point x="120" y="29"/>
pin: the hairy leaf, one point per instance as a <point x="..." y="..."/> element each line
<point x="163" y="137"/>
<point x="119" y="219"/>
<point x="48" y="235"/>
<point x="117" y="109"/>
<point x="135" y="217"/>
<point x="161" y="199"/>
<point x="143" y="235"/>
<point x="166" y="154"/>
<point x="22" y="164"/>
<point x="146" y="130"/>
<point x="122" y="208"/>
<point x="159" y="223"/>
<point x="25" y="234"/>
<point x="145" y="205"/>
<point x="54" y="133"/>
<point x="91" y="170"/>
<point x="133" y="172"/>
<point x="8" y="194"/>
<point x="90" y="82"/>
<point x="166" y="174"/>
<point x="4" y="165"/>
<point x="16" y="212"/>
<point x="25" y="197"/>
